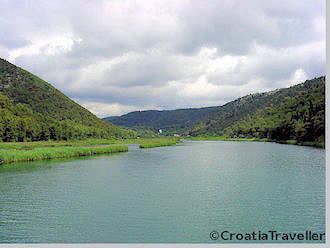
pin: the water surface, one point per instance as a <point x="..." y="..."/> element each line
<point x="168" y="194"/>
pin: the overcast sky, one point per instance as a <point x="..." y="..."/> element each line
<point x="114" y="57"/>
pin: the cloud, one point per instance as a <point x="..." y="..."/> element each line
<point x="118" y="56"/>
<point x="47" y="46"/>
<point x="102" y="109"/>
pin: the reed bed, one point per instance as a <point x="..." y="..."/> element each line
<point x="40" y="150"/>
<point x="158" y="142"/>
<point x="79" y="143"/>
<point x="36" y="144"/>
<point x="42" y="153"/>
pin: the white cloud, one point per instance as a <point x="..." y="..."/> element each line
<point x="46" y="45"/>
<point x="103" y="109"/>
<point x="117" y="56"/>
<point x="299" y="76"/>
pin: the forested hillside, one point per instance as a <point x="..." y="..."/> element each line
<point x="169" y="121"/>
<point x="32" y="109"/>
<point x="239" y="115"/>
<point x="300" y="118"/>
<point x="245" y="106"/>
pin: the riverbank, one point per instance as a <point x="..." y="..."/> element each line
<point x="44" y="153"/>
<point x="224" y="138"/>
<point x="42" y="150"/>
<point x="288" y="142"/>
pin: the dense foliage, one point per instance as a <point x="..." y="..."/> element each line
<point x="247" y="105"/>
<point x="300" y="118"/>
<point x="31" y="109"/>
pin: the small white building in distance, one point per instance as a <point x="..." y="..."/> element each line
<point x="160" y="131"/>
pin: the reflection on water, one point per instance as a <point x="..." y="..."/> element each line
<point x="169" y="194"/>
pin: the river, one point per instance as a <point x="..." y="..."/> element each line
<point x="169" y="194"/>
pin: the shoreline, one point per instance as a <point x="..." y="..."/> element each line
<point x="287" y="142"/>
<point x="13" y="152"/>
<point x="45" y="153"/>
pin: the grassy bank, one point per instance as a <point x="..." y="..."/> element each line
<point x="50" y="144"/>
<point x="31" y="151"/>
<point x="42" y="153"/>
<point x="41" y="150"/>
<point x="158" y="142"/>
<point x="87" y="142"/>
<point x="288" y="142"/>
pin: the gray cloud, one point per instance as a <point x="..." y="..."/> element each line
<point x="117" y="56"/>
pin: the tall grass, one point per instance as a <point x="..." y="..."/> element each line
<point x="41" y="153"/>
<point x="35" y="144"/>
<point x="158" y="142"/>
<point x="80" y="143"/>
<point x="31" y="151"/>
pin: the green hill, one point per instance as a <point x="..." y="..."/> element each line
<point x="248" y="116"/>
<point x="242" y="107"/>
<point x="32" y="109"/>
<point x="300" y="118"/>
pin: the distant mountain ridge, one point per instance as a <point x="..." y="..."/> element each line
<point x="32" y="109"/>
<point x="211" y="120"/>
<point x="170" y="121"/>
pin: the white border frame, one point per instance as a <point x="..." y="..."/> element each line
<point x="252" y="245"/>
